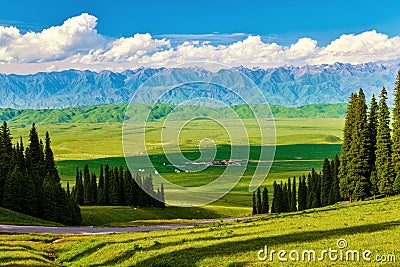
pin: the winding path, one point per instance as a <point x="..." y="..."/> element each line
<point x="23" y="229"/>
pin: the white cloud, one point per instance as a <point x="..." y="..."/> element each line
<point x="76" y="44"/>
<point x="367" y="46"/>
<point x="55" y="43"/>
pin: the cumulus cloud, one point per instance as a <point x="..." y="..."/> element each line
<point x="77" y="44"/>
<point x="55" y="43"/>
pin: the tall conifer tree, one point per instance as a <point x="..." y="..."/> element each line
<point x="265" y="201"/>
<point x="384" y="170"/>
<point x="358" y="171"/>
<point x="344" y="180"/>
<point x="396" y="135"/>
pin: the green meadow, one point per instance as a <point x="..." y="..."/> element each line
<point x="369" y="225"/>
<point x="302" y="144"/>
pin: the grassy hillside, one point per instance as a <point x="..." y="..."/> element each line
<point x="112" y="113"/>
<point x="12" y="217"/>
<point x="369" y="225"/>
<point x="303" y="144"/>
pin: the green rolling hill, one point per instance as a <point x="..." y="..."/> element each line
<point x="116" y="113"/>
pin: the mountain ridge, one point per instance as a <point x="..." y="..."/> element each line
<point x="285" y="86"/>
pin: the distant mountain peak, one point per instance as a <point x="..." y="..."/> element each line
<point x="287" y="86"/>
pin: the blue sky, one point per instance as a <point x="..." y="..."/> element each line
<point x="118" y="35"/>
<point x="283" y="21"/>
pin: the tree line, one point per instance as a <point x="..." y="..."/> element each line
<point x="370" y="155"/>
<point x="116" y="187"/>
<point x="29" y="180"/>
<point x="369" y="164"/>
<point x="315" y="190"/>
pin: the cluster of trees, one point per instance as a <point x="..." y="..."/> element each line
<point x="317" y="190"/>
<point x="369" y="164"/>
<point x="29" y="180"/>
<point x="370" y="156"/>
<point x="116" y="186"/>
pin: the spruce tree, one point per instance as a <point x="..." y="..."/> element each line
<point x="254" y="211"/>
<point x="6" y="151"/>
<point x="128" y="186"/>
<point x="107" y="184"/>
<point x="345" y="182"/>
<point x="310" y="191"/>
<point x="121" y="186"/>
<point x="258" y="201"/>
<point x="285" y="197"/>
<point x="94" y="189"/>
<point x="265" y="201"/>
<point x="115" y="192"/>
<point x="334" y="194"/>
<point x="326" y="182"/>
<point x="316" y="189"/>
<point x="162" y="197"/>
<point x="275" y="201"/>
<point x="87" y="187"/>
<point x="35" y="166"/>
<point x="289" y="193"/>
<point x="384" y="169"/>
<point x="101" y="199"/>
<point x="372" y="130"/>
<point x="49" y="164"/>
<point x="302" y="199"/>
<point x="396" y="135"/>
<point x="358" y="171"/>
<point x="13" y="198"/>
<point x="79" y="189"/>
<point x="49" y="206"/>
<point x="293" y="199"/>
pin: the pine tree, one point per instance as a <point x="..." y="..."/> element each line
<point x="94" y="189"/>
<point x="129" y="194"/>
<point x="12" y="191"/>
<point x="49" y="164"/>
<point x="254" y="212"/>
<point x="6" y="151"/>
<point x="49" y="211"/>
<point x="275" y="200"/>
<point x="358" y="171"/>
<point x="162" y="197"/>
<point x="121" y="186"/>
<point x="316" y="189"/>
<point x="79" y="189"/>
<point x="310" y="191"/>
<point x="258" y="201"/>
<point x="285" y="198"/>
<point x="35" y="166"/>
<point x="265" y="201"/>
<point x="334" y="194"/>
<point x="101" y="199"/>
<point x="372" y="130"/>
<point x="107" y="184"/>
<point x="396" y="135"/>
<point x="326" y="183"/>
<point x="374" y="182"/>
<point x="289" y="193"/>
<point x="87" y="187"/>
<point x="302" y="199"/>
<point x="115" y="192"/>
<point x="345" y="182"/>
<point x="384" y="170"/>
<point x="293" y="199"/>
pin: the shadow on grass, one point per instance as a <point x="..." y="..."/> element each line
<point x="11" y="261"/>
<point x="190" y="256"/>
<point x="129" y="253"/>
